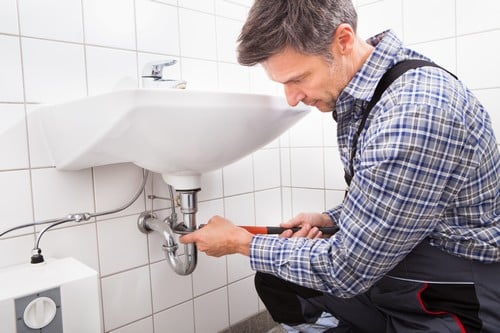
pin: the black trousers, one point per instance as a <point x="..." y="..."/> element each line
<point x="429" y="291"/>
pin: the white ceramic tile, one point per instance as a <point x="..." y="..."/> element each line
<point x="200" y="74"/>
<point x="8" y="16"/>
<point x="109" y="70"/>
<point x="121" y="245"/>
<point x="157" y="27"/>
<point x="268" y="207"/>
<point x="59" y="193"/>
<point x="477" y="16"/>
<point x="308" y="131"/>
<point x="168" y="2"/>
<point x="233" y="9"/>
<point x="110" y="23"/>
<point x="13" y="142"/>
<point x="370" y="14"/>
<point x="240" y="310"/>
<point x="126" y="297"/>
<point x="305" y="200"/>
<point x="329" y="130"/>
<point x="479" y="74"/>
<point x="143" y="326"/>
<point x="273" y="144"/>
<point x="286" y="176"/>
<point x="211" y="312"/>
<point x="207" y="209"/>
<point x="53" y="71"/>
<point x="15" y="196"/>
<point x="238" y="267"/>
<point x="334" y="171"/>
<point x="439" y="17"/>
<point x="169" y="288"/>
<point x="15" y="250"/>
<point x="52" y="19"/>
<point x="489" y="98"/>
<point x="442" y="52"/>
<point x="197" y="35"/>
<point x="238" y="177"/>
<point x="261" y="84"/>
<point x="79" y="242"/>
<point x="233" y="78"/>
<point x="116" y="185"/>
<point x="210" y="274"/>
<point x="211" y="185"/>
<point x="333" y="198"/>
<point x="286" y="202"/>
<point x="206" y="6"/>
<point x="227" y="33"/>
<point x="266" y="168"/>
<point x="179" y="319"/>
<point x="38" y="149"/>
<point x="240" y="209"/>
<point x="11" y="81"/>
<point x="307" y="168"/>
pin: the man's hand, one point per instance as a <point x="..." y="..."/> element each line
<point x="308" y="223"/>
<point x="220" y="237"/>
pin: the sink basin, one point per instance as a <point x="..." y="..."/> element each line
<point x="178" y="133"/>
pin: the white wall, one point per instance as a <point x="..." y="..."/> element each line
<point x="56" y="50"/>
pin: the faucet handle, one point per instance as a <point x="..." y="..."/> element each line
<point x="154" y="69"/>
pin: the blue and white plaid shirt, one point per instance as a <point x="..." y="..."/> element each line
<point x="427" y="166"/>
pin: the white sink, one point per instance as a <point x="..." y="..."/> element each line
<point x="178" y="133"/>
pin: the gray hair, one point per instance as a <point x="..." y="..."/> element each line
<point x="305" y="25"/>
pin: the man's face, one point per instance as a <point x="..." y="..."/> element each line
<point x="310" y="79"/>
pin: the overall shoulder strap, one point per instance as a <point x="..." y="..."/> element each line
<point x="385" y="81"/>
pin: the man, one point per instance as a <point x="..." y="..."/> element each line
<point x="418" y="246"/>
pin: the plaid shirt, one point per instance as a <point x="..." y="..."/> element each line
<point x="426" y="166"/>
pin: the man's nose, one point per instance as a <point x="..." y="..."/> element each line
<point x="293" y="95"/>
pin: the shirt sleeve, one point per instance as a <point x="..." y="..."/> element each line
<point x="407" y="171"/>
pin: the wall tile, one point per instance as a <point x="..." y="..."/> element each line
<point x="157" y="27"/>
<point x="13" y="145"/>
<point x="227" y="33"/>
<point x="116" y="185"/>
<point x="333" y="198"/>
<point x="370" y="13"/>
<point x="261" y="84"/>
<point x="472" y="16"/>
<point x="39" y="151"/>
<point x="334" y="170"/>
<point x="11" y="81"/>
<point x="478" y="74"/>
<point x="439" y="20"/>
<point x="179" y="319"/>
<point x="15" y="196"/>
<point x="170" y="72"/>
<point x="238" y="309"/>
<point x="443" y="52"/>
<point x="200" y="74"/>
<point x="210" y="274"/>
<point x="200" y="42"/>
<point x="169" y="288"/>
<point x="78" y="241"/>
<point x="286" y="177"/>
<point x="8" y="23"/>
<point x="109" y="23"/>
<point x="206" y="6"/>
<point x="238" y="177"/>
<point x="52" y="19"/>
<point x="307" y="167"/>
<point x="143" y="326"/>
<point x="211" y="185"/>
<point x="329" y="130"/>
<point x="59" y="193"/>
<point x="110" y="70"/>
<point x="116" y="239"/>
<point x="233" y="78"/>
<point x="305" y="200"/>
<point x="268" y="207"/>
<point x="308" y="131"/>
<point x="46" y="68"/>
<point x="211" y="312"/>
<point x="489" y="98"/>
<point x="266" y="168"/>
<point x="234" y="9"/>
<point x="286" y="203"/>
<point x="14" y="251"/>
<point x="126" y="297"/>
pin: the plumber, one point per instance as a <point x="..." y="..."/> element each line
<point x="418" y="246"/>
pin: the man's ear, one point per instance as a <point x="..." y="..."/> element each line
<point x="343" y="39"/>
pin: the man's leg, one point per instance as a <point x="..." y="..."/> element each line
<point x="294" y="306"/>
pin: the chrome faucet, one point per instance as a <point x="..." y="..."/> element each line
<point x="152" y="76"/>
